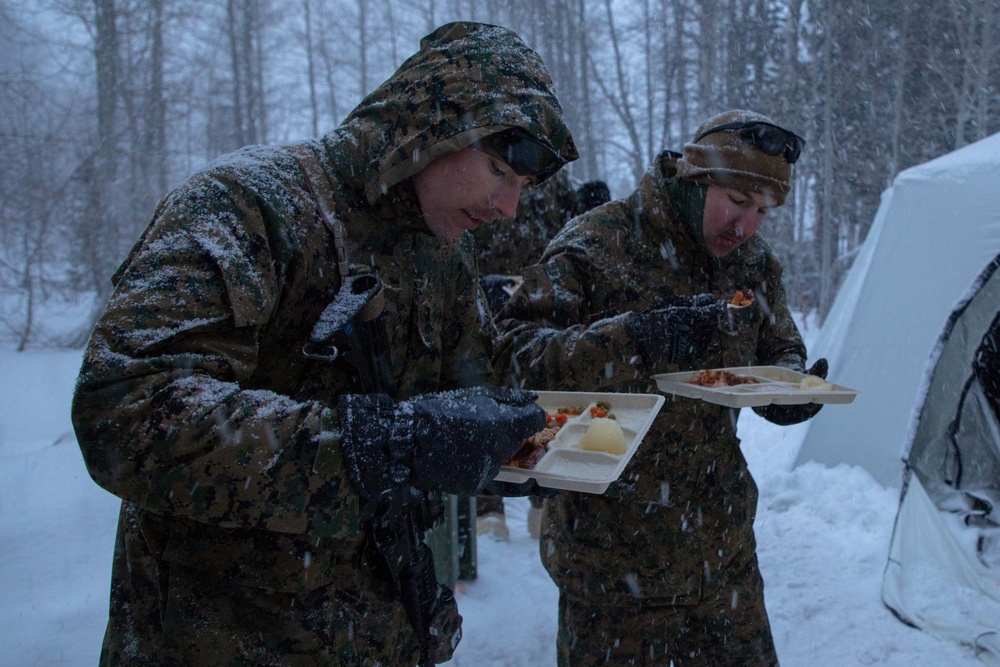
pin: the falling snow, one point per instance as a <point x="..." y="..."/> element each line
<point x="823" y="535"/>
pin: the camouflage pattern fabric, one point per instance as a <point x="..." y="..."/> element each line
<point x="728" y="626"/>
<point x="681" y="515"/>
<point x="508" y="246"/>
<point x="239" y="539"/>
<point x="542" y="211"/>
<point x="467" y="81"/>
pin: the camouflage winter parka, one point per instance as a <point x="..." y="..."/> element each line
<point x="239" y="539"/>
<point x="684" y="506"/>
<point x="541" y="213"/>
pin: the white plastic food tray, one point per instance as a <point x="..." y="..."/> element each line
<point x="776" y="384"/>
<point x="565" y="466"/>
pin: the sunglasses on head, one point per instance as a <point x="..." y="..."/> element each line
<point x="525" y="154"/>
<point x="770" y="139"/>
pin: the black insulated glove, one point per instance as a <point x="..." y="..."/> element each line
<point x="529" y="487"/>
<point x="452" y="442"/>
<point x="677" y="334"/>
<point x="786" y="415"/>
<point x="496" y="287"/>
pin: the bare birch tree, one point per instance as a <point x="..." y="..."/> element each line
<point x="150" y="91"/>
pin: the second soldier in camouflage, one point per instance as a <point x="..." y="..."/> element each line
<point x="662" y="568"/>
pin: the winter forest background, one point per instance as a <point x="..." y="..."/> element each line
<point x="107" y="104"/>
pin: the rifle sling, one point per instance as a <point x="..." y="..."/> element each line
<point x="321" y="188"/>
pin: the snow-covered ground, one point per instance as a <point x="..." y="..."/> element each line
<point x="823" y="536"/>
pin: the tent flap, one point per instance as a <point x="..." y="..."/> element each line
<point x="934" y="581"/>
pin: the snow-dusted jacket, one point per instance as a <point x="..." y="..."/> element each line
<point x="684" y="506"/>
<point x="196" y="406"/>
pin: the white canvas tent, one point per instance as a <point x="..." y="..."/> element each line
<point x="943" y="570"/>
<point x="937" y="226"/>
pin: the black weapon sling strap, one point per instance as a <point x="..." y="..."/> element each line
<point x="320" y="187"/>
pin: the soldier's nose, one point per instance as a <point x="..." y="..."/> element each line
<point x="506" y="199"/>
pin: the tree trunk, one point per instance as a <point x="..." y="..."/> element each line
<point x="102" y="237"/>
<point x="311" y="69"/>
<point x="896" y="125"/>
<point x="619" y="99"/>
<point x="827" y="234"/>
<point x="234" y="30"/>
<point x="156" y="117"/>
<point x="588" y="147"/>
<point x="363" y="47"/>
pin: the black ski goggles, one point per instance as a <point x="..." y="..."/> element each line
<point x="770" y="139"/>
<point x="525" y="154"/>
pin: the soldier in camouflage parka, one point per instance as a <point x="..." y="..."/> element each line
<point x="239" y="537"/>
<point x="661" y="569"/>
<point x="541" y="213"/>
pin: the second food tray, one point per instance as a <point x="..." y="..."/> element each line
<point x="769" y="384"/>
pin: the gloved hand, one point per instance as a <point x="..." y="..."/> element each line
<point x="529" y="487"/>
<point x="452" y="441"/>
<point x="785" y="415"/>
<point x="493" y="285"/>
<point x="677" y="334"/>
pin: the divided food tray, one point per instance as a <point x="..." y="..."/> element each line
<point x="565" y="465"/>
<point x="776" y="384"/>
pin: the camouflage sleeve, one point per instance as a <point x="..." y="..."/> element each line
<point x="550" y="337"/>
<point x="161" y="409"/>
<point x="779" y="342"/>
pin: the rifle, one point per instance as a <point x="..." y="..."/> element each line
<point x="353" y="327"/>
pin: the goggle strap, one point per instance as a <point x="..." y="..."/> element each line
<point x="787" y="144"/>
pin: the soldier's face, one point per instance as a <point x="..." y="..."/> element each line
<point x="731" y="217"/>
<point x="466" y="189"/>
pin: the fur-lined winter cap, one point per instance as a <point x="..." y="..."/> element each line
<point x="735" y="157"/>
